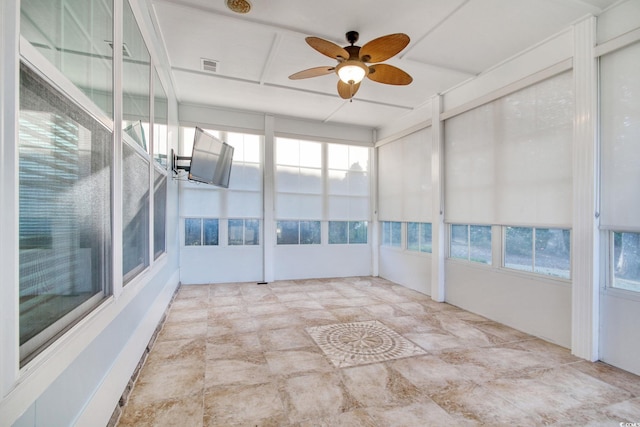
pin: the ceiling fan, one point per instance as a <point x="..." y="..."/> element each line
<point x="352" y="62"/>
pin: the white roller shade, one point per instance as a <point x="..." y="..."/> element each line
<point x="404" y="178"/>
<point x="509" y="161"/>
<point x="348" y="182"/>
<point x="620" y="136"/>
<point x="299" y="183"/>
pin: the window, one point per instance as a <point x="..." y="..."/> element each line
<point x="159" y="214"/>
<point x="347" y="232"/>
<point x="136" y="87"/>
<point x="392" y="234"/>
<point x="200" y="232"/>
<point x="471" y="243"/>
<point x="65" y="212"/>
<point x="244" y="232"/>
<point x="539" y="250"/>
<point x="135" y="213"/>
<point x="419" y="236"/>
<point x="160" y="120"/>
<point x="626" y="261"/>
<point x="298" y="232"/>
<point x="75" y="36"/>
<point x="299" y="182"/>
<point x="347" y="182"/>
<point x="620" y="156"/>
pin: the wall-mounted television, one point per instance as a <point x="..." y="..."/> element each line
<point x="210" y="160"/>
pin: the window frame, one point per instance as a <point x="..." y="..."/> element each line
<point x="534" y="251"/>
<point x="610" y="265"/>
<point x="469" y="245"/>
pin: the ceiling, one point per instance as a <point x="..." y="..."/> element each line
<point x="451" y="41"/>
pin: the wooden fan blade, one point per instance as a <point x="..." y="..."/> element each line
<point x="328" y="48"/>
<point x="347" y="91"/>
<point x="312" y="72"/>
<point x="388" y="74"/>
<point x="384" y="47"/>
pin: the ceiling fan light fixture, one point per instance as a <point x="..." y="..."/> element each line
<point x="352" y="71"/>
<point x="239" y="6"/>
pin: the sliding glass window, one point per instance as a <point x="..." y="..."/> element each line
<point x="76" y="37"/>
<point x="65" y="212"/>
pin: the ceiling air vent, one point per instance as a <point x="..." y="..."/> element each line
<point x="209" y="65"/>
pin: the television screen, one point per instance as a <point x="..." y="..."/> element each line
<point x="210" y="160"/>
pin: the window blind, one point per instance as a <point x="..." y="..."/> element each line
<point x="404" y="178"/>
<point x="620" y="136"/>
<point x="509" y="161"/>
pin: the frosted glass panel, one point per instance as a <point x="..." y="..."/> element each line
<point x="135" y="213"/>
<point x="159" y="213"/>
<point x="65" y="195"/>
<point x="510" y="161"/>
<point x="620" y="127"/>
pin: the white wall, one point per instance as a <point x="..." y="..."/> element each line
<point x="220" y="264"/>
<point x="408" y="268"/>
<point x="536" y="305"/>
<point x="321" y="261"/>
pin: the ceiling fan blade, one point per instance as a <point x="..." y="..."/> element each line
<point x="388" y="74"/>
<point x="347" y="91"/>
<point x="312" y="72"/>
<point x="383" y="48"/>
<point x="328" y="48"/>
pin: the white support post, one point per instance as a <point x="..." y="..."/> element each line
<point x="438" y="228"/>
<point x="585" y="236"/>
<point x="268" y="194"/>
<point x="375" y="225"/>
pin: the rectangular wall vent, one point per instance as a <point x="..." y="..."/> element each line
<point x="209" y="65"/>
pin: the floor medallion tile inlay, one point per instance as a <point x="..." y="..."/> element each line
<point x="359" y="343"/>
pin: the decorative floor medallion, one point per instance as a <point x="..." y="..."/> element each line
<point x="359" y="343"/>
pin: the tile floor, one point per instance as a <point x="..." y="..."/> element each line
<point x="246" y="355"/>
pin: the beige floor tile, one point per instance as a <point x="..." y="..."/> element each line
<point x="180" y="331"/>
<point x="379" y="386"/>
<point x="168" y="381"/>
<point x="314" y="396"/>
<point x="247" y="405"/>
<point x="284" y="339"/>
<point x="185" y="412"/>
<point x="239" y="354"/>
<point x="246" y="371"/>
<point x="288" y="362"/>
<point x="423" y="414"/>
<point x="191" y="350"/>
<point x="232" y="346"/>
